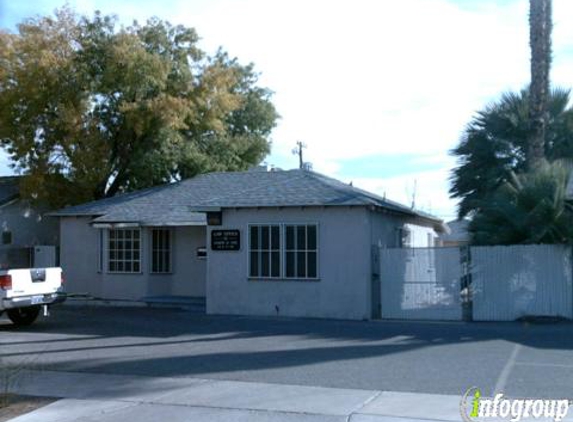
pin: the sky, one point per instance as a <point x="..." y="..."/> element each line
<point x="379" y="91"/>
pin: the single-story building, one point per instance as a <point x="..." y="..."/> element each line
<point x="292" y="243"/>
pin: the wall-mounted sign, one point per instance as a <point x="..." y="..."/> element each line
<point x="214" y="218"/>
<point x="225" y="240"/>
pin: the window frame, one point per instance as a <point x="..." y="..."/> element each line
<point x="282" y="252"/>
<point x="306" y="251"/>
<point x="108" y="251"/>
<point x="169" y="250"/>
<point x="260" y="250"/>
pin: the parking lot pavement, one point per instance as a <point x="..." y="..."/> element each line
<point x="435" y="358"/>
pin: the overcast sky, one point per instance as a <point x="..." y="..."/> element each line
<point x="380" y="91"/>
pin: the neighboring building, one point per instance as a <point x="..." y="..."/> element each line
<point x="458" y="234"/>
<point x="292" y="243"/>
<point x="27" y="238"/>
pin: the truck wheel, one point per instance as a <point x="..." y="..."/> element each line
<point x="23" y="316"/>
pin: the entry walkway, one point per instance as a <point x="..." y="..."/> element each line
<point x="110" y="398"/>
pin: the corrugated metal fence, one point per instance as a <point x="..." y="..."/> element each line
<point x="503" y="282"/>
<point x="510" y="282"/>
<point x="420" y="283"/>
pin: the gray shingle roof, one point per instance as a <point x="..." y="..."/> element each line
<point x="178" y="203"/>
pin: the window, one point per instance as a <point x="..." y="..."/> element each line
<point x="295" y="258"/>
<point x="301" y="251"/>
<point x="264" y="251"/>
<point x="6" y="237"/>
<point x="124" y="251"/>
<point x="160" y="251"/>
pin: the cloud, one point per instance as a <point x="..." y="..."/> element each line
<point x="428" y="190"/>
<point x="365" y="78"/>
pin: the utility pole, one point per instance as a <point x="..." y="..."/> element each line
<point x="298" y="151"/>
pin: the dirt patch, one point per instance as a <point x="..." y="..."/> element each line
<point x="16" y="405"/>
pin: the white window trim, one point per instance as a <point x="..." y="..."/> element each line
<point x="282" y="250"/>
<point x="171" y="244"/>
<point x="107" y="251"/>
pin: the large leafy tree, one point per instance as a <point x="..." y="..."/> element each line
<point x="496" y="143"/>
<point x="88" y="110"/>
<point x="527" y="208"/>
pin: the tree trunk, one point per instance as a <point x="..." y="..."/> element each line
<point x="117" y="183"/>
<point x="540" y="43"/>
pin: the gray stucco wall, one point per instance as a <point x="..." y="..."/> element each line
<point x="28" y="225"/>
<point x="79" y="260"/>
<point x="79" y="256"/>
<point x="344" y="268"/>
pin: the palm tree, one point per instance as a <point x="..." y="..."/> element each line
<point x="528" y="208"/>
<point x="495" y="144"/>
<point x="540" y="42"/>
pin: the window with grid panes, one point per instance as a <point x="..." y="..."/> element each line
<point x="124" y="251"/>
<point x="301" y="251"/>
<point x="160" y="251"/>
<point x="265" y="251"/>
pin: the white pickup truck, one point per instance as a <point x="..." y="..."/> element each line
<point x="24" y="292"/>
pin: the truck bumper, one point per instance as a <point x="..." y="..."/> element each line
<point x="35" y="300"/>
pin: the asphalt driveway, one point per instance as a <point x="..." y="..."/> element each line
<point x="441" y="358"/>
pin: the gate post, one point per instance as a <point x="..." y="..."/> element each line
<point x="466" y="284"/>
<point x="376" y="290"/>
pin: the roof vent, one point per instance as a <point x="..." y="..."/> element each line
<point x="307" y="166"/>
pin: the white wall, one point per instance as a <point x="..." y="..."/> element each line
<point x="343" y="290"/>
<point x="420" y="235"/>
<point x="79" y="260"/>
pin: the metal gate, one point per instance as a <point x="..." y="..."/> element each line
<point x="421" y="283"/>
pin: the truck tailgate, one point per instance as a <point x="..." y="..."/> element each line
<point x="34" y="281"/>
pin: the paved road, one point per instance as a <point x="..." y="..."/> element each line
<point x="439" y="358"/>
